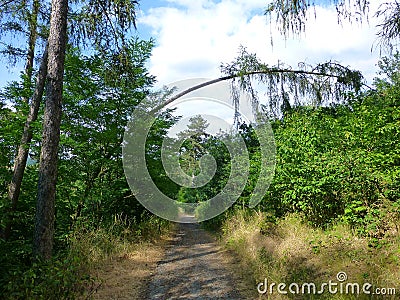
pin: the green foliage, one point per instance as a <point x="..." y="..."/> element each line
<point x="57" y="279"/>
<point x="13" y="111"/>
<point x="337" y="162"/>
<point x="291" y="16"/>
<point x="21" y="20"/>
<point x="66" y="276"/>
<point x="7" y="146"/>
<point x="316" y="85"/>
<point x="192" y="149"/>
<point x="103" y="24"/>
<point x="100" y="93"/>
<point x="334" y="162"/>
<point x="154" y="143"/>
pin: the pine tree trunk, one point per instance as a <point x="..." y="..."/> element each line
<point x="23" y="149"/>
<point x="44" y="219"/>
<point x="31" y="43"/>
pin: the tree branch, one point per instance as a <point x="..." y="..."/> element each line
<point x="213" y="81"/>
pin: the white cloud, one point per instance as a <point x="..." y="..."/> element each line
<point x="195" y="37"/>
<point x="193" y="41"/>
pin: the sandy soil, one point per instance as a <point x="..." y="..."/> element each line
<point x="188" y="265"/>
<point x="127" y="277"/>
<point x="194" y="267"/>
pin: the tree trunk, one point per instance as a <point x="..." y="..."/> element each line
<point x="31" y="43"/>
<point x="23" y="149"/>
<point x="44" y="220"/>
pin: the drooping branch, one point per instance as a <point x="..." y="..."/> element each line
<point x="319" y="84"/>
<point x="291" y="15"/>
<point x="102" y="23"/>
<point x="389" y="27"/>
<point x="224" y="78"/>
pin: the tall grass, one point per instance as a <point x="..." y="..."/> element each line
<point x="288" y="251"/>
<point x="69" y="274"/>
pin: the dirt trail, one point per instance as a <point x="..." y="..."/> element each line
<point x="188" y="265"/>
<point x="194" y="267"/>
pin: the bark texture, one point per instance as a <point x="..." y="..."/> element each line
<point x="44" y="220"/>
<point x="23" y="149"/>
<point x="33" y="17"/>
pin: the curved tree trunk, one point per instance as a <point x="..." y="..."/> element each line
<point x="23" y="149"/>
<point x="44" y="219"/>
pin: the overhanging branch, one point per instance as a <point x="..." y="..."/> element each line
<point x="224" y="78"/>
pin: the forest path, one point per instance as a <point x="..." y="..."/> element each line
<point x="194" y="267"/>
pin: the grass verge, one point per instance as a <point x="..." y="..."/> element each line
<point x="112" y="262"/>
<point x="289" y="251"/>
<point x="121" y="260"/>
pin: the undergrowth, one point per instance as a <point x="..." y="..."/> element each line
<point x="68" y="274"/>
<point x="288" y="250"/>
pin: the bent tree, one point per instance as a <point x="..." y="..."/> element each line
<point x="27" y="21"/>
<point x="322" y="84"/>
<point x="279" y="79"/>
<point x="23" y="148"/>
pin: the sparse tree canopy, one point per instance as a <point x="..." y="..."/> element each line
<point x="322" y="84"/>
<point x="291" y="16"/>
<point x="102" y="23"/>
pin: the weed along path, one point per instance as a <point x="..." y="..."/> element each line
<point x="194" y="267"/>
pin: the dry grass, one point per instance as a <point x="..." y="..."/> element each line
<point x="126" y="276"/>
<point x="120" y="263"/>
<point x="290" y="251"/>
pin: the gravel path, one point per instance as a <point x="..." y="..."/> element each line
<point x="194" y="267"/>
